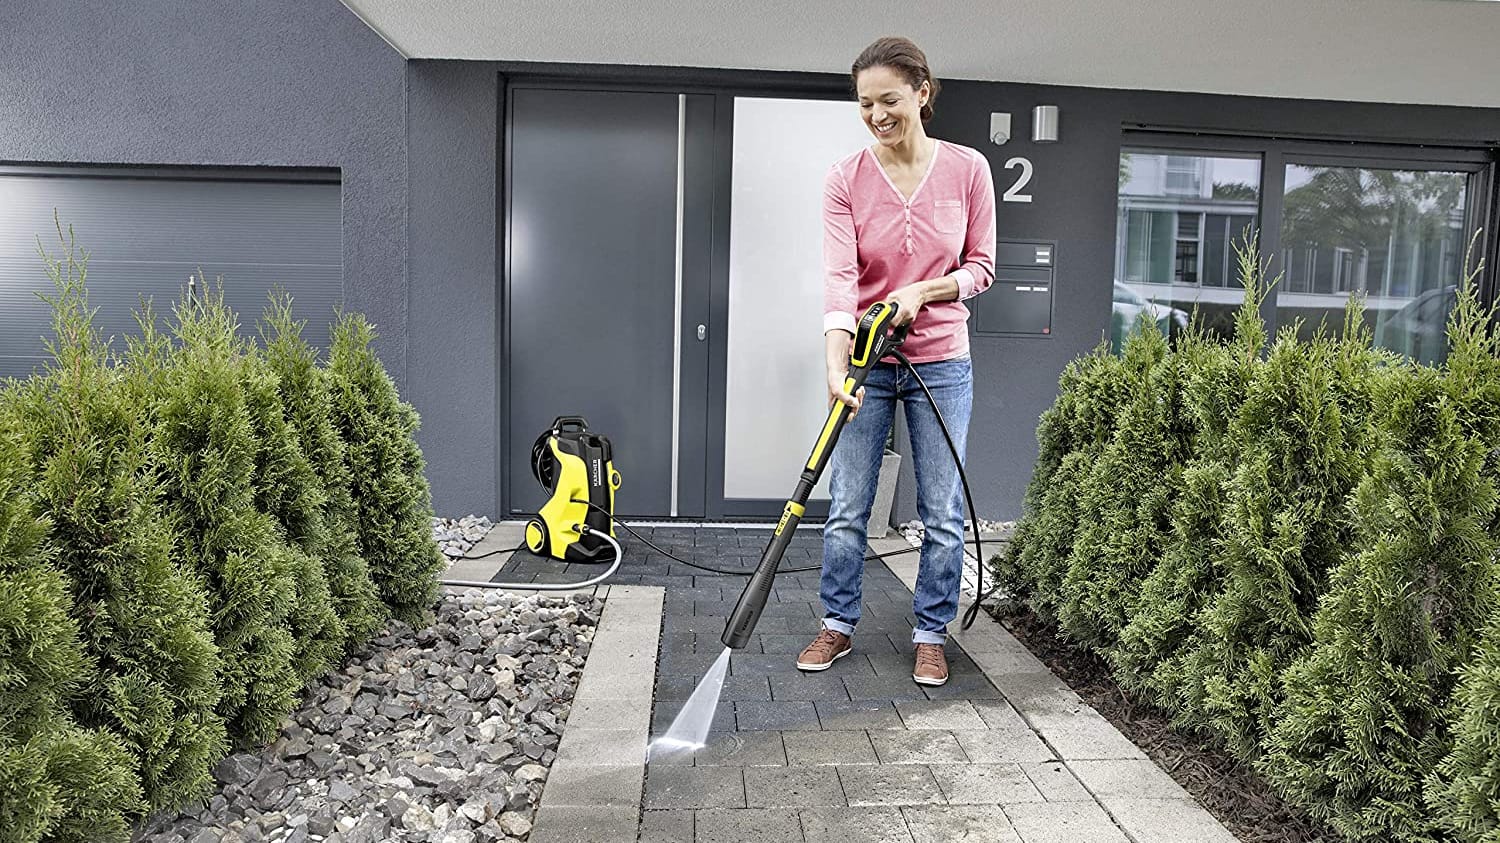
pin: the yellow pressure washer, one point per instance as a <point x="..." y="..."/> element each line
<point x="576" y="468"/>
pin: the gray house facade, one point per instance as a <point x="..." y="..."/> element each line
<point x="537" y="238"/>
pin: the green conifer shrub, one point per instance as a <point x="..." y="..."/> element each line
<point x="1363" y="721"/>
<point x="1071" y="435"/>
<point x="205" y="446"/>
<point x="1463" y="790"/>
<point x="394" y="502"/>
<point x="58" y="781"/>
<point x="287" y="489"/>
<point x="1303" y="446"/>
<point x="332" y="537"/>
<point x="1147" y="656"/>
<point x="1361" y="724"/>
<point x="1125" y="500"/>
<point x="142" y="620"/>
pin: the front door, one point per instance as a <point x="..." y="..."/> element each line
<point x="607" y="208"/>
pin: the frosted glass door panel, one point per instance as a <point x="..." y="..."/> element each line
<point x="776" y="396"/>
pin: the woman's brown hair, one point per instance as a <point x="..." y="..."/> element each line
<point x="904" y="57"/>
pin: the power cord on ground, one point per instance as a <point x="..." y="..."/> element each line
<point x="682" y="561"/>
<point x="521" y="546"/>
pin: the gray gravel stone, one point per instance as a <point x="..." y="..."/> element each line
<point x="482" y="688"/>
<point x="269" y="787"/>
<point x="515" y="824"/>
<point x="340" y="791"/>
<point x="239" y="768"/>
<point x="418" y="818"/>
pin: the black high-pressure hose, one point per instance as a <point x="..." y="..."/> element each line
<point x="979" y="595"/>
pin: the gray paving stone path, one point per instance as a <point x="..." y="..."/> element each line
<point x="1003" y="752"/>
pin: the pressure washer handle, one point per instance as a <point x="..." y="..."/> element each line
<point x="875" y="337"/>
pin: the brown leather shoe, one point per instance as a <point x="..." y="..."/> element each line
<point x="826" y="649"/>
<point x="932" y="665"/>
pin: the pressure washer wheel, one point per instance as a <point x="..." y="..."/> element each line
<point x="536" y="536"/>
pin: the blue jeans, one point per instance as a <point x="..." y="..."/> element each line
<point x="855" y="464"/>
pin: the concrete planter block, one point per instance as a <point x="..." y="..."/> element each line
<point x="885" y="495"/>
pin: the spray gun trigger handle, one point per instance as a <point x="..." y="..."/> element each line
<point x="898" y="335"/>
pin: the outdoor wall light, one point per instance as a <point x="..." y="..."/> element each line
<point x="1044" y="124"/>
<point x="999" y="127"/>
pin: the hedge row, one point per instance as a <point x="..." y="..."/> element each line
<point x="1291" y="547"/>
<point x="191" y="530"/>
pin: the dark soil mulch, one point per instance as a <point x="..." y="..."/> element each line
<point x="1225" y="787"/>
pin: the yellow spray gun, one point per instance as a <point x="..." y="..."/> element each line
<point x="874" y="340"/>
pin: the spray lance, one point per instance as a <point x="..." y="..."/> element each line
<point x="874" y="340"/>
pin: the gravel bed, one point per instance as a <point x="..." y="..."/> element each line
<point x="995" y="534"/>
<point x="455" y="538"/>
<point x="435" y="735"/>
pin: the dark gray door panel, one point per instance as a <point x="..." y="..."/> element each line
<point x="592" y="246"/>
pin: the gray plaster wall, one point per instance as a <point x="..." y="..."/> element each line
<point x="286" y="83"/>
<point x="278" y="83"/>
<point x="451" y="268"/>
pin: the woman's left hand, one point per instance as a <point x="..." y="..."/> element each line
<point x="908" y="301"/>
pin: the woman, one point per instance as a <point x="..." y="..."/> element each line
<point x="910" y="220"/>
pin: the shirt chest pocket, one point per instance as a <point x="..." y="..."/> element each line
<point x="948" y="215"/>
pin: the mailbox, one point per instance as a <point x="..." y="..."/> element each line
<point x="1019" y="303"/>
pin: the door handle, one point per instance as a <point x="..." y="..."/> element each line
<point x="702" y="333"/>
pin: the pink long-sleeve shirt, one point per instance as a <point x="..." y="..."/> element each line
<point x="876" y="241"/>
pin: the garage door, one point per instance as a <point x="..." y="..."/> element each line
<point x="147" y="231"/>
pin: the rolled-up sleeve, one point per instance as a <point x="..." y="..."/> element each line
<point x="840" y="255"/>
<point x="977" y="271"/>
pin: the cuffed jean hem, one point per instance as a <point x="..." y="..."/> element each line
<point x="922" y="636"/>
<point x="839" y="627"/>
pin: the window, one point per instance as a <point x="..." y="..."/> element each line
<point x="1220" y="231"/>
<point x="1187" y="262"/>
<point x="1179" y="216"/>
<point x="1343" y="271"/>
<point x="1182" y="175"/>
<point x="1187" y="247"/>
<point x="1390" y="224"/>
<point x="1389" y="234"/>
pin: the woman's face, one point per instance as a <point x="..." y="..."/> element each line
<point x="891" y="108"/>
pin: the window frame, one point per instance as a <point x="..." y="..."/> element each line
<point x="1276" y="153"/>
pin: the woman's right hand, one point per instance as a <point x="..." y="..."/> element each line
<point x="836" y="378"/>
<point x="837" y="344"/>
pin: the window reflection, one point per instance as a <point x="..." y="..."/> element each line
<point x="1395" y="236"/>
<point x="1179" y="217"/>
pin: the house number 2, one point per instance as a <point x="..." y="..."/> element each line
<point x="1014" y="194"/>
